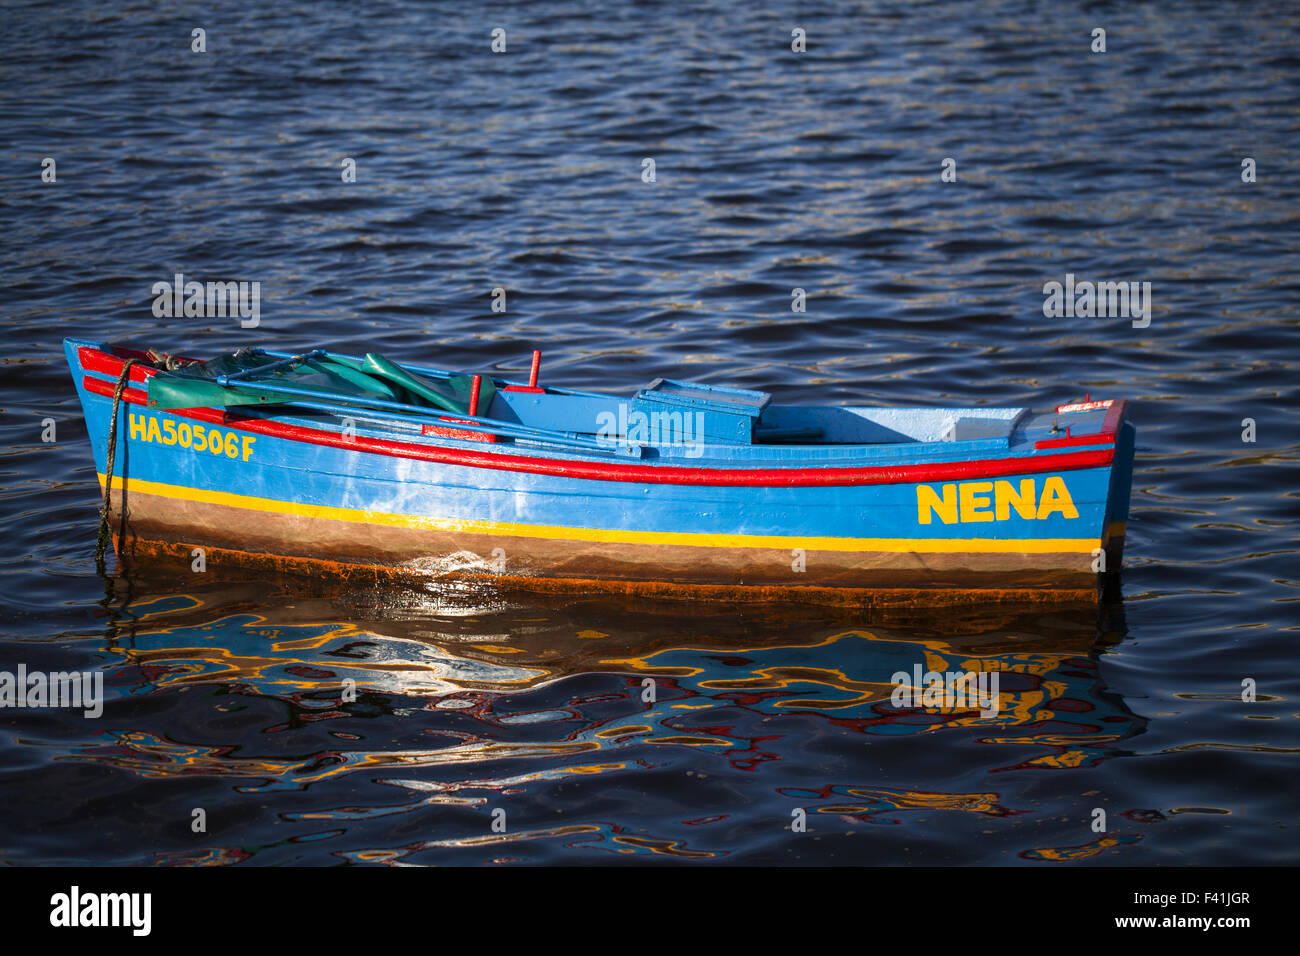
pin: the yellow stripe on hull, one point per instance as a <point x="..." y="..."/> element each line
<point x="613" y="536"/>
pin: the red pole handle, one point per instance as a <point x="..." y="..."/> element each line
<point x="537" y="362"/>
<point x="473" y="396"/>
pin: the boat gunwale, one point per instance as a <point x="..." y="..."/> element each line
<point x="671" y="472"/>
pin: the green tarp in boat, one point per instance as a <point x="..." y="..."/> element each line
<point x="375" y="377"/>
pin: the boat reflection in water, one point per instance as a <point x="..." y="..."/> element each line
<point x="602" y="724"/>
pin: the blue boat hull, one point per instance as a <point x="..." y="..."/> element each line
<point x="279" y="487"/>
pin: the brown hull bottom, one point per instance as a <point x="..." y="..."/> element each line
<point x="163" y="532"/>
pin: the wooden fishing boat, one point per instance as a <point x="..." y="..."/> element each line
<point x="340" y="463"/>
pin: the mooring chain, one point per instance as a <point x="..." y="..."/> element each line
<point x="104" y="534"/>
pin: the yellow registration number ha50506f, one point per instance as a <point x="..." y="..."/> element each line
<point x="194" y="436"/>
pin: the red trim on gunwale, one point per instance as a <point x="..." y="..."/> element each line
<point x="1113" y="417"/>
<point x="95" y="361"/>
<point x="1074" y="441"/>
<point x="1104" y="436"/>
<point x="659" y="475"/>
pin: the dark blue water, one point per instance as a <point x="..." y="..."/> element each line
<point x="775" y="171"/>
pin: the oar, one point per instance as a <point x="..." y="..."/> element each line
<point x="287" y="361"/>
<point x="398" y="411"/>
<point x="556" y="438"/>
<point x="443" y="373"/>
<point x="296" y="390"/>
